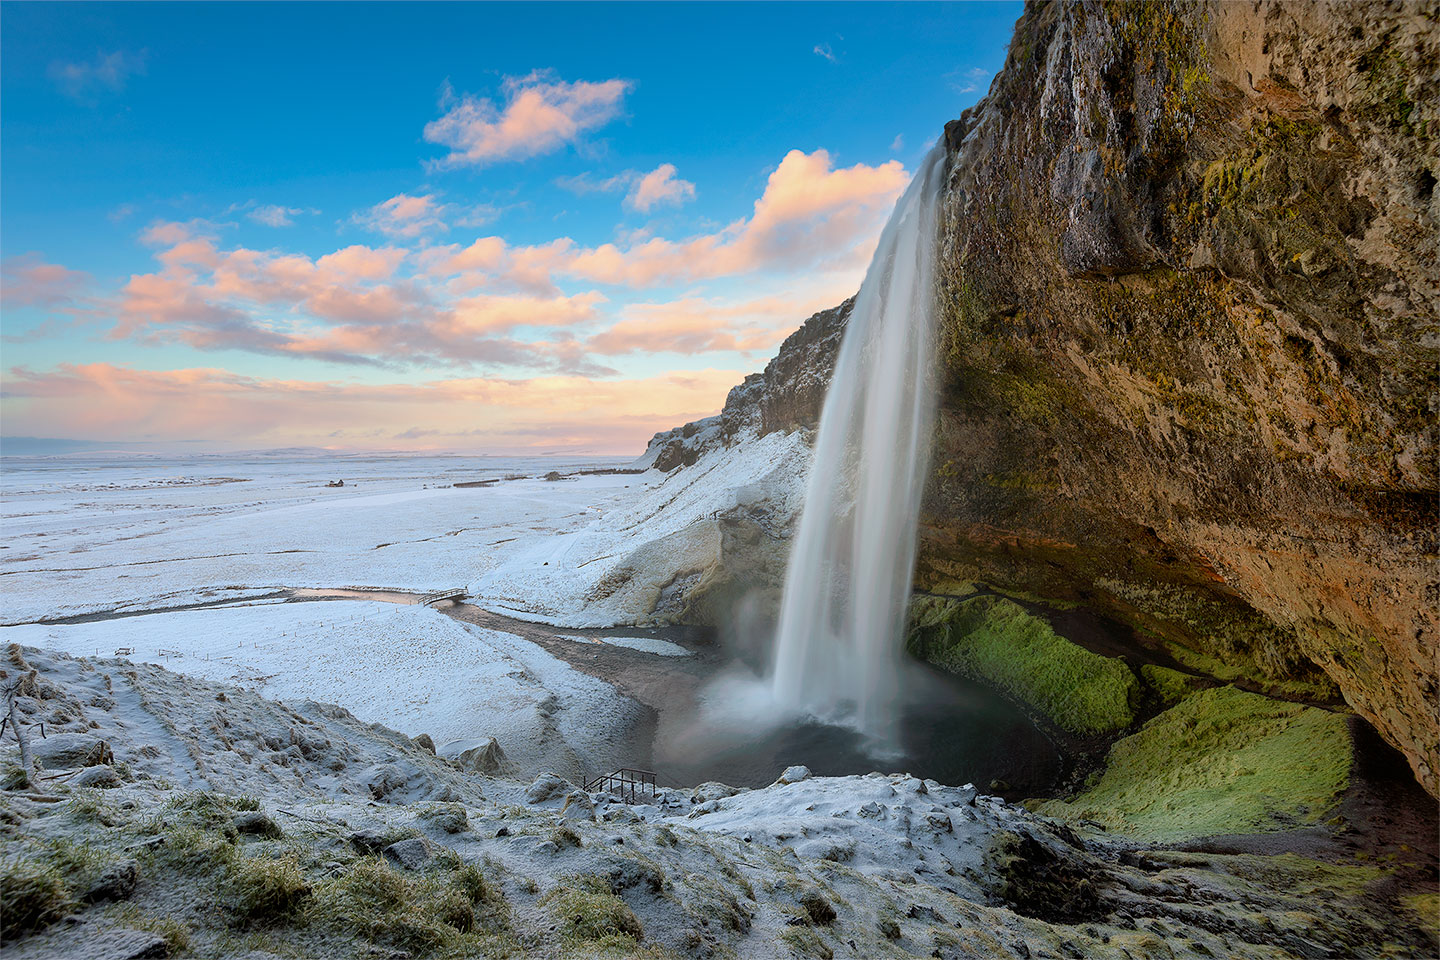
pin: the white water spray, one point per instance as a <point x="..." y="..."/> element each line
<point x="848" y="579"/>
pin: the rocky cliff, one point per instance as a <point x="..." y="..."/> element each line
<point x="1190" y="308"/>
<point x="1191" y="311"/>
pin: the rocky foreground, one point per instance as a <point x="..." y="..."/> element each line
<point x="177" y="817"/>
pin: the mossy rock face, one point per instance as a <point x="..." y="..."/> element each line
<point x="1222" y="761"/>
<point x="1168" y="686"/>
<point x="995" y="640"/>
<point x="1188" y="317"/>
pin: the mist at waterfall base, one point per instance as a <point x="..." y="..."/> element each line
<point x="945" y="728"/>
<point x="839" y="695"/>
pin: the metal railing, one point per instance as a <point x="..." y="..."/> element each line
<point x="457" y="595"/>
<point x="630" y="786"/>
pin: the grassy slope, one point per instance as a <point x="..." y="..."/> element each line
<point x="997" y="641"/>
<point x="1221" y="761"/>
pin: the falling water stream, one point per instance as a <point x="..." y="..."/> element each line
<point x="837" y="654"/>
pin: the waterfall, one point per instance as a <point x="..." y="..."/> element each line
<point x="847" y="584"/>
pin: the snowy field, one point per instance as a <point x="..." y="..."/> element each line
<point x="408" y="667"/>
<point x="83" y="536"/>
<point x="182" y="561"/>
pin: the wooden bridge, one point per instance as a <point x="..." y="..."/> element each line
<point x="440" y="596"/>
<point x="631" y="786"/>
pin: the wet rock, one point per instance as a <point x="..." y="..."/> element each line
<point x="61" y="750"/>
<point x="1047" y="881"/>
<point x="102" y="777"/>
<point x="116" y="883"/>
<point x="409" y="854"/>
<point x="794" y="774"/>
<point x="424" y="742"/>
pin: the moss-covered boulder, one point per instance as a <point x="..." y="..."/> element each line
<point x="997" y="641"/>
<point x="1221" y="761"/>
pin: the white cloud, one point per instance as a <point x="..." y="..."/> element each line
<point x="823" y="50"/>
<point x="898" y="143"/>
<point x="644" y="191"/>
<point x="540" y="115"/>
<point x="404" y="216"/>
<point x="272" y="215"/>
<point x="659" y="186"/>
<point x="967" y="80"/>
<point x="107" y="72"/>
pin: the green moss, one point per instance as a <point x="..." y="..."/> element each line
<point x="34" y="895"/>
<point x="805" y="941"/>
<point x="1426" y="906"/>
<point x="1221" y="761"/>
<point x="589" y="913"/>
<point x="267" y="890"/>
<point x="997" y="641"/>
<point x="456" y="910"/>
<point x="1386" y="76"/>
<point x="1169" y="686"/>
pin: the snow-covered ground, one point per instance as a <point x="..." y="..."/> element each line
<point x="93" y="536"/>
<point x="407" y="667"/>
<point x="589" y="550"/>
<point x="613" y="570"/>
<point x="119" y="549"/>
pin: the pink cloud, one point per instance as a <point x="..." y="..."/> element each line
<point x="404" y="216"/>
<point x="810" y="215"/>
<point x="694" y="325"/>
<point x="540" y="115"/>
<point x="116" y="403"/>
<point x="485" y="314"/>
<point x="28" y="280"/>
<point x="346" y="306"/>
<point x="659" y="186"/>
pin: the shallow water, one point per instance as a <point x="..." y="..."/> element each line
<point x="946" y="728"/>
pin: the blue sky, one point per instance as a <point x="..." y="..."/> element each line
<point x="482" y="227"/>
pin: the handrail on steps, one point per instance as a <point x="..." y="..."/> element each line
<point x="630" y="786"/>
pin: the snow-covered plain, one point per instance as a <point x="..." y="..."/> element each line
<point x="96" y="535"/>
<point x="184" y="561"/>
